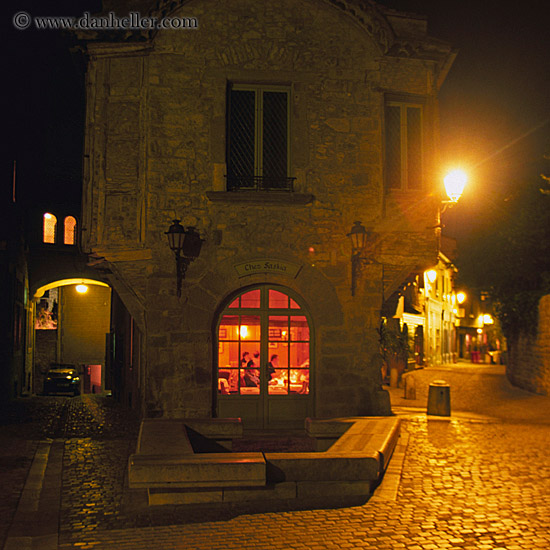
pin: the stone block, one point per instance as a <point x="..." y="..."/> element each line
<point x="332" y="489"/>
<point x="319" y="427"/>
<point x="197" y="470"/>
<point x="327" y="466"/>
<point x="162" y="497"/>
<point x="160" y="436"/>
<point x="216" y="428"/>
<point x="278" y="491"/>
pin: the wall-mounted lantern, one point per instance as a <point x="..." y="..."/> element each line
<point x="361" y="240"/>
<point x="186" y="245"/>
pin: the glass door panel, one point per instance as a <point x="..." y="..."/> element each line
<point x="250" y="341"/>
<point x="277" y="300"/>
<point x="299" y="329"/>
<point x="251" y="299"/>
<point x="264" y="359"/>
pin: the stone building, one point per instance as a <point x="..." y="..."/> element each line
<point x="270" y="128"/>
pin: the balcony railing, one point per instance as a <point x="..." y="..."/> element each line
<point x="260" y="183"/>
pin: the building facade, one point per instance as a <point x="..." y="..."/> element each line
<point x="270" y="129"/>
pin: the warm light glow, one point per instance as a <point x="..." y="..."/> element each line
<point x="455" y="181"/>
<point x="66" y="282"/>
<point x="69" y="230"/>
<point x="244" y="331"/>
<point x="49" y="228"/>
<point x="81" y="289"/>
<point x="461" y="297"/>
<point x="487" y="319"/>
<point x="432" y="275"/>
<point x="480" y="331"/>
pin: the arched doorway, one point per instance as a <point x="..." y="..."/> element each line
<point x="264" y="365"/>
<point x="70" y="319"/>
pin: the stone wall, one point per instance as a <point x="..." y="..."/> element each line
<point x="84" y="322"/>
<point x="155" y="151"/>
<point x="45" y="353"/>
<point x="529" y="356"/>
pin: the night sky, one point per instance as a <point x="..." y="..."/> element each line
<point x="495" y="104"/>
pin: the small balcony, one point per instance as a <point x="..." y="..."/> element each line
<point x="260" y="183"/>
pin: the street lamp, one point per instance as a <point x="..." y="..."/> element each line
<point x="454" y="182"/>
<point x="360" y="238"/>
<point x="186" y="245"/>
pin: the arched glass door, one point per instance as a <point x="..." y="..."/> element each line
<point x="263" y="367"/>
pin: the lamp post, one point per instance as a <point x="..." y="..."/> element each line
<point x="360" y="238"/>
<point x="186" y="245"/>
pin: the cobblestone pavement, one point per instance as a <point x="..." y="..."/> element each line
<point x="468" y="482"/>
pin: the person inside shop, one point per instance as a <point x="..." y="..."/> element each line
<point x="251" y="378"/>
<point x="245" y="359"/>
<point x="251" y="373"/>
<point x="255" y="361"/>
<point x="272" y="365"/>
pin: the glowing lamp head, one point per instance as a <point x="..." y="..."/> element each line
<point x="244" y="331"/>
<point x="82" y="288"/>
<point x="455" y="181"/>
<point x="487" y="319"/>
<point x="432" y="275"/>
<point x="461" y="297"/>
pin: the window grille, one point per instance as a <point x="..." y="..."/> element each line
<point x="404" y="152"/>
<point x="258" y="131"/>
<point x="49" y="228"/>
<point x="69" y="235"/>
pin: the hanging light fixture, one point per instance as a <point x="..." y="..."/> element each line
<point x="360" y="238"/>
<point x="186" y="245"/>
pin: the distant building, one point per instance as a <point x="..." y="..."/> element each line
<point x="270" y="129"/>
<point x="479" y="336"/>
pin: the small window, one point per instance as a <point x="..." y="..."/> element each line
<point x="69" y="234"/>
<point x="403" y="126"/>
<point x="258" y="138"/>
<point x="49" y="228"/>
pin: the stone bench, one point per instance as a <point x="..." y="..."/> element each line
<point x="371" y="435"/>
<point x="197" y="471"/>
<point x="165" y="456"/>
<point x="357" y="453"/>
<point x="167" y="436"/>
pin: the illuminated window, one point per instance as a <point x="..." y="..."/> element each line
<point x="50" y="228"/>
<point x="69" y="233"/>
<point x="403" y="128"/>
<point x="264" y="352"/>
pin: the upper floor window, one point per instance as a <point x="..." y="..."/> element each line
<point x="49" y="228"/>
<point x="258" y="138"/>
<point x="69" y="230"/>
<point x="403" y="125"/>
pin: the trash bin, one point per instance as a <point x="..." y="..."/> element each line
<point x="439" y="398"/>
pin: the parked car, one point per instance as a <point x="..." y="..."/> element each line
<point x="62" y="379"/>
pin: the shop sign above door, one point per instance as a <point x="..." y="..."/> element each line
<point x="267" y="265"/>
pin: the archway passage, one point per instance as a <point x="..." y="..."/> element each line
<point x="71" y="318"/>
<point x="264" y="368"/>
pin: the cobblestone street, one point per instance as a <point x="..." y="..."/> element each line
<point x="465" y="482"/>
